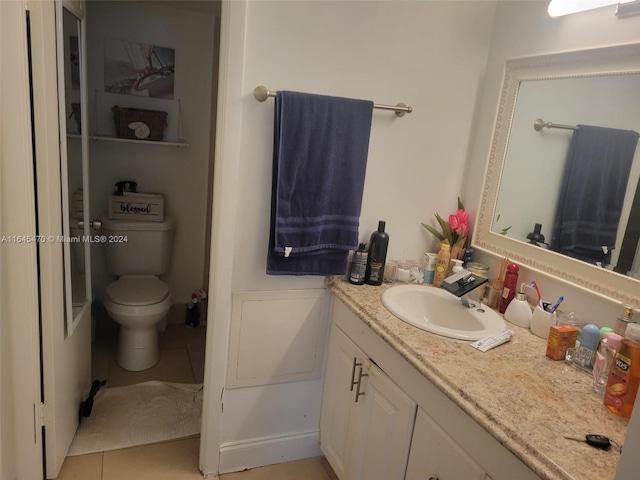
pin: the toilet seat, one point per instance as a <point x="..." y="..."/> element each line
<point x="137" y="290"/>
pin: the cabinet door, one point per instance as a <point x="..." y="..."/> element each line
<point x="385" y="418"/>
<point x="434" y="455"/>
<point x="344" y="360"/>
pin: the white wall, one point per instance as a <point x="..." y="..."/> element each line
<point x="179" y="173"/>
<point x="523" y="28"/>
<point x="430" y="55"/>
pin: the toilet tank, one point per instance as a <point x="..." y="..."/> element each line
<point x="138" y="248"/>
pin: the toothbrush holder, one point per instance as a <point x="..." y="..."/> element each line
<point x="542" y="321"/>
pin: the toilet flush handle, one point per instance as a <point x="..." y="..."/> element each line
<point x="97" y="224"/>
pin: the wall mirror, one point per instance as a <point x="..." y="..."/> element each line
<point x="74" y="154"/>
<point x="525" y="170"/>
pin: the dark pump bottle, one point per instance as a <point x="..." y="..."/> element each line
<point x="359" y="267"/>
<point x="377" y="255"/>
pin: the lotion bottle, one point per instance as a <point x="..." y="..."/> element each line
<point x="442" y="264"/>
<point x="378" y="245"/>
<point x="622" y="385"/>
<point x="519" y="312"/>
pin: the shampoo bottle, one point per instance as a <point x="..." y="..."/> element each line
<point x="622" y="385"/>
<point x="378" y="245"/>
<point x="359" y="266"/>
<point x="442" y="264"/>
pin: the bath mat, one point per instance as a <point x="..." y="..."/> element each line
<point x="140" y="414"/>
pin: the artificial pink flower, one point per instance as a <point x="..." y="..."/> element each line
<point x="459" y="222"/>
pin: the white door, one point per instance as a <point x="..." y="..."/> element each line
<point x="57" y="32"/>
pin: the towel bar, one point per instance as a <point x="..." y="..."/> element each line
<point x="539" y="124"/>
<point x="262" y="93"/>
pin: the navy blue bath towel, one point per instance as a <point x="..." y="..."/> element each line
<point x="319" y="162"/>
<point x="592" y="191"/>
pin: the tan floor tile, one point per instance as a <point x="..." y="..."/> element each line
<point x="174" y="366"/>
<point x="82" y="467"/>
<point x="180" y="336"/>
<point x="196" y="355"/>
<point x="307" y="469"/>
<point x="163" y="461"/>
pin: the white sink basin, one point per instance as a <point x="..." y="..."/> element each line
<point x="438" y="311"/>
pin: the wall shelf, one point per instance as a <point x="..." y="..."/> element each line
<point x="101" y="138"/>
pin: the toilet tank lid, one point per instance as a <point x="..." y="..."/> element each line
<point x="168" y="223"/>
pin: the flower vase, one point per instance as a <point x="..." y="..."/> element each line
<point x="458" y="249"/>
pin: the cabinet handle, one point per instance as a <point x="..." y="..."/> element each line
<point x="353" y="372"/>
<point x="434" y="478"/>
<point x="359" y="382"/>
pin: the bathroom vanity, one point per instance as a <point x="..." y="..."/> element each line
<point x="434" y="407"/>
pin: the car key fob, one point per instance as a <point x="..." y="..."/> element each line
<point x="598" y="441"/>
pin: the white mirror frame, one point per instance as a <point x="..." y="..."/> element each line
<point x="614" y="60"/>
<point x="73" y="318"/>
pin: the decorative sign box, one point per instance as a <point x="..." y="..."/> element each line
<point x="148" y="207"/>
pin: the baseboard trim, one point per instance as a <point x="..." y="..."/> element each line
<point x="258" y="452"/>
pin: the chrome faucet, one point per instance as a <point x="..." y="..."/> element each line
<point x="464" y="284"/>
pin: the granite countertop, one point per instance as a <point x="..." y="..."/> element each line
<point x="527" y="401"/>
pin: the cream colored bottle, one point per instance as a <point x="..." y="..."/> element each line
<point x="442" y="264"/>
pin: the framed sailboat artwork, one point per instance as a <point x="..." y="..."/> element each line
<point x="141" y="69"/>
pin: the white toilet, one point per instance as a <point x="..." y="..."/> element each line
<point x="138" y="301"/>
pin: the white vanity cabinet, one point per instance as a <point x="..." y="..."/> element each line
<point x="434" y="455"/>
<point x="380" y="437"/>
<point x="366" y="421"/>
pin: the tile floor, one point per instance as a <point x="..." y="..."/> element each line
<point x="182" y="361"/>
<point x="178" y="460"/>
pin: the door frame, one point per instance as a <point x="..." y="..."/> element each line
<point x="20" y="392"/>
<point x="224" y="212"/>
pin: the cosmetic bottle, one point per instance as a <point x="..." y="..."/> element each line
<point x="468" y="257"/>
<point x="623" y="320"/>
<point x="430" y="267"/>
<point x="442" y="264"/>
<point x="605" y="357"/>
<point x="586" y="351"/>
<point x="457" y="266"/>
<point x="378" y="244"/>
<point x="510" y="286"/>
<point x="622" y="385"/>
<point x="359" y="267"/>
<point x="519" y="312"/>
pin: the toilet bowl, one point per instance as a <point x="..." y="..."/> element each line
<point x="138" y="303"/>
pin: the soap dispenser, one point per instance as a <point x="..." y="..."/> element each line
<point x="519" y="312"/>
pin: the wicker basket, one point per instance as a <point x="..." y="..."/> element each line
<point x="154" y="119"/>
